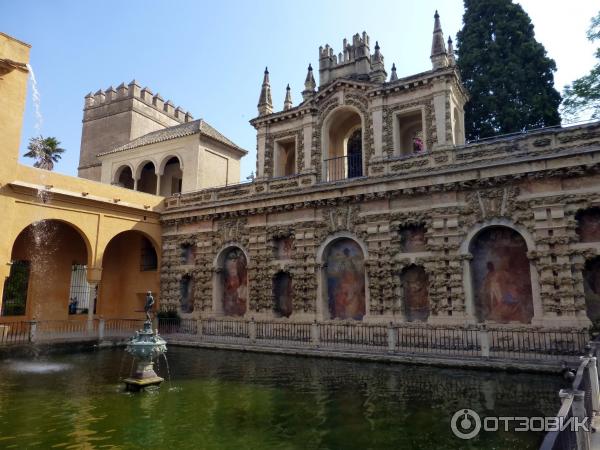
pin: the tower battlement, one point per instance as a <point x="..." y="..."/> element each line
<point x="114" y="117"/>
<point x="355" y="61"/>
<point x="134" y="91"/>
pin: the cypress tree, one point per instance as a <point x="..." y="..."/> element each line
<point x="506" y="71"/>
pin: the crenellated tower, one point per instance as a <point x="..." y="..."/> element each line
<point x="114" y="117"/>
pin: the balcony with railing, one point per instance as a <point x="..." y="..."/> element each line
<point x="343" y="167"/>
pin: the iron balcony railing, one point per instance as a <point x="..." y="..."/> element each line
<point x="343" y="167"/>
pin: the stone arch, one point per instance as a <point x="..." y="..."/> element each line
<point x="230" y="281"/>
<point x="130" y="268"/>
<point x="343" y="290"/>
<point x="166" y="159"/>
<point x="44" y="256"/>
<point x="335" y="131"/>
<point x="500" y="279"/>
<point x="123" y="176"/>
<point x="283" y="294"/>
<point x="414" y="285"/>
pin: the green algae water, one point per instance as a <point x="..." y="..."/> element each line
<point x="232" y="400"/>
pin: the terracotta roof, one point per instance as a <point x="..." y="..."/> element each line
<point x="185" y="129"/>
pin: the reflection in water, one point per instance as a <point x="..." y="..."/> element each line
<point x="238" y="400"/>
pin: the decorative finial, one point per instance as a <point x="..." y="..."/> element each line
<point x="393" y="76"/>
<point x="439" y="56"/>
<point x="309" y="84"/>
<point x="451" y="57"/>
<point x="376" y="45"/>
<point x="265" y="103"/>
<point x="287" y="103"/>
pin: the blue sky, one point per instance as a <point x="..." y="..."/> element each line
<point x="208" y="57"/>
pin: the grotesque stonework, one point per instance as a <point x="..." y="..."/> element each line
<point x="424" y="229"/>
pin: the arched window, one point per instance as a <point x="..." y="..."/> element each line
<point x="171" y="181"/>
<point x="501" y="276"/>
<point x="415" y="293"/>
<point x="283" y="294"/>
<point x="345" y="280"/>
<point x="234" y="282"/>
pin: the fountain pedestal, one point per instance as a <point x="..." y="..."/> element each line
<point x="145" y="347"/>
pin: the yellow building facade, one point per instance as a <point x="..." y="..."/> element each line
<point x="56" y="228"/>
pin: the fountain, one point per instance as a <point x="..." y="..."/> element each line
<point x="145" y="346"/>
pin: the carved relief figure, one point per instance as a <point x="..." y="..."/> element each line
<point x="235" y="283"/>
<point x="345" y="276"/>
<point x="501" y="276"/>
<point x="415" y="294"/>
<point x="591" y="287"/>
<point x="282" y="294"/>
<point x="412" y="239"/>
<point x="588" y="225"/>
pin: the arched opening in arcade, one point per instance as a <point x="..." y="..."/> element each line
<point x="148" y="179"/>
<point x="342" y="145"/>
<point x="171" y="180"/>
<point x="501" y="276"/>
<point x="124" y="177"/>
<point x="129" y="270"/>
<point x="344" y="280"/>
<point x="48" y="273"/>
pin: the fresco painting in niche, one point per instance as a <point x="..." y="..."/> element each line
<point x="501" y="276"/>
<point x="415" y="294"/>
<point x="591" y="288"/>
<point x="282" y="294"/>
<point x="588" y="225"/>
<point x="283" y="248"/>
<point x="187" y="294"/>
<point x="235" y="283"/>
<point x="345" y="274"/>
<point x="413" y="239"/>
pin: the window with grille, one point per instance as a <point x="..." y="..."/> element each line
<point x="14" y="298"/>
<point x="79" y="294"/>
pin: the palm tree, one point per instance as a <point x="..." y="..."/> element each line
<point x="46" y="152"/>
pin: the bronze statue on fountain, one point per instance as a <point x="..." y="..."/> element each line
<point x="145" y="346"/>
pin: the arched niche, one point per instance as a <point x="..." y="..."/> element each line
<point x="588" y="225"/>
<point x="186" y="294"/>
<point x="414" y="283"/>
<point x="501" y="276"/>
<point x="231" y="282"/>
<point x="283" y="294"/>
<point x="591" y="288"/>
<point x="343" y="280"/>
<point x="147" y="179"/>
<point x="171" y="176"/>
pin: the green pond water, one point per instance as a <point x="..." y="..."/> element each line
<point x="231" y="400"/>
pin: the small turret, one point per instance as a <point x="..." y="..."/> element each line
<point x="309" y="84"/>
<point x="265" y="103"/>
<point x="378" y="73"/>
<point x="287" y="103"/>
<point x="393" y="76"/>
<point x="439" y="56"/>
<point x="451" y="58"/>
